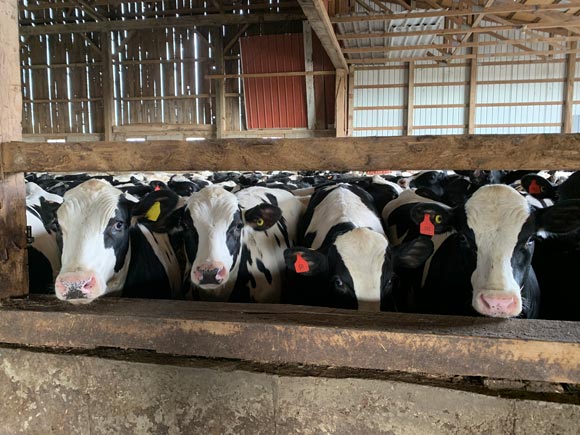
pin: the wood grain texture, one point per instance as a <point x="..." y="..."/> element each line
<point x="13" y="271"/>
<point x="544" y="151"/>
<point x="466" y="346"/>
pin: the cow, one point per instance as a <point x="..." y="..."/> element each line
<point x="44" y="246"/>
<point x="108" y="247"/>
<point x="234" y="243"/>
<point x="483" y="251"/>
<point x="345" y="260"/>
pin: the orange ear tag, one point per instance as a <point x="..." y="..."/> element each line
<point x="426" y="227"/>
<point x="301" y="265"/>
<point x="534" y="188"/>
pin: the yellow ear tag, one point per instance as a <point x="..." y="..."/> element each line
<point x="154" y="212"/>
<point x="438" y="219"/>
<point x="260" y="222"/>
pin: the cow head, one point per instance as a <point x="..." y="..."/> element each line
<point x="356" y="269"/>
<point x="499" y="227"/>
<point x="96" y="219"/>
<point x="213" y="225"/>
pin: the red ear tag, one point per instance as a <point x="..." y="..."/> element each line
<point x="157" y="188"/>
<point x="426" y="227"/>
<point x="301" y="265"/>
<point x="534" y="188"/>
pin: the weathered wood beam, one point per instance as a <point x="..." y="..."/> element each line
<point x="156" y="23"/>
<point x="234" y="39"/>
<point x="90" y="11"/>
<point x="558" y="151"/>
<point x="513" y="43"/>
<point x="410" y="97"/>
<point x="318" y="17"/>
<point x="536" y="350"/>
<point x="568" y="111"/>
<point x="13" y="258"/>
<point x="309" y="79"/>
<point x="472" y="108"/>
<point x="108" y="91"/>
<point x="475" y="23"/>
<point x="516" y="7"/>
<point x="220" y="84"/>
<point x="341" y="102"/>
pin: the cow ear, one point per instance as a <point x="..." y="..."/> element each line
<point x="304" y="261"/>
<point x="412" y="254"/>
<point x="563" y="217"/>
<point x="432" y="218"/>
<point x="48" y="215"/>
<point x="538" y="186"/>
<point x="262" y="216"/>
<point x="159" y="211"/>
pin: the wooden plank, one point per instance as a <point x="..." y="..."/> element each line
<point x="351" y="108"/>
<point x="410" y="97"/>
<point x="472" y="109"/>
<point x="317" y="16"/>
<point x="557" y="151"/>
<point x="309" y="67"/>
<point x="536" y="350"/>
<point x="212" y="20"/>
<point x="220" y="85"/>
<point x="108" y="96"/>
<point x="273" y="74"/>
<point x="341" y="101"/>
<point x="13" y="258"/>
<point x="568" y="111"/>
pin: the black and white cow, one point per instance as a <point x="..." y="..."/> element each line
<point x="482" y="258"/>
<point x="345" y="260"/>
<point x="235" y="243"/>
<point x="44" y="249"/>
<point x="107" y="247"/>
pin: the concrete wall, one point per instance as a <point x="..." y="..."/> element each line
<point x="62" y="394"/>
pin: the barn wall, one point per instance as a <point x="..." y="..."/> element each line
<point x="55" y="394"/>
<point x="519" y="94"/>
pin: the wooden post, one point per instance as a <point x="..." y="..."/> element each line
<point x="350" y="101"/>
<point x="472" y="88"/>
<point x="568" y="112"/>
<point x="410" y="98"/>
<point x="309" y="67"/>
<point x="108" y="94"/>
<point x="13" y="258"/>
<point x="220" y="84"/>
<point x="341" y="102"/>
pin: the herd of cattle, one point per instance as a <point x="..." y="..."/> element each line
<point x="492" y="243"/>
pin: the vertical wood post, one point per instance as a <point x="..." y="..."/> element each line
<point x="309" y="67"/>
<point x="108" y="94"/>
<point x="472" y="88"/>
<point x="220" y="84"/>
<point x="410" y="98"/>
<point x="350" y="121"/>
<point x="341" y="102"/>
<point x="568" y="112"/>
<point x="13" y="258"/>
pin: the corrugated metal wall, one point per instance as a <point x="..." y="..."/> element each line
<point x="520" y="94"/>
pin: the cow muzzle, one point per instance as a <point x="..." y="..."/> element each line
<point x="497" y="304"/>
<point x="210" y="275"/>
<point x="77" y="287"/>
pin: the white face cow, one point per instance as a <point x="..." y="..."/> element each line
<point x="96" y="220"/>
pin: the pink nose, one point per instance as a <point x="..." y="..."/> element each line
<point x="75" y="285"/>
<point x="503" y="306"/>
<point x="211" y="273"/>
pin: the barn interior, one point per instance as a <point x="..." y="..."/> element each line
<point x="369" y="86"/>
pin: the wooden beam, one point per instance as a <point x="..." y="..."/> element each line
<point x="538" y="350"/>
<point x="212" y="20"/>
<point x="317" y="16"/>
<point x="472" y="109"/>
<point x="220" y="84"/>
<point x="410" y="97"/>
<point x="13" y="258"/>
<point x="475" y="11"/>
<point x="519" y="45"/>
<point x="350" y="120"/>
<point x="108" y="92"/>
<point x="234" y="39"/>
<point x="568" y="112"/>
<point x="277" y="74"/>
<point x="341" y="102"/>
<point x="558" y="151"/>
<point x="89" y="10"/>
<point x="309" y="67"/>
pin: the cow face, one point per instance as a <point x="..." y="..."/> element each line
<point x="96" y="219"/>
<point x="498" y="225"/>
<point x="356" y="271"/>
<point x="214" y="225"/>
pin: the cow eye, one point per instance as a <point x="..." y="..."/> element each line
<point x="119" y="226"/>
<point x="530" y="241"/>
<point x="338" y="282"/>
